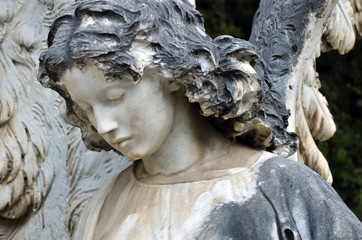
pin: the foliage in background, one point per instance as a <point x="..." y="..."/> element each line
<point x="341" y="78"/>
<point x="230" y="17"/>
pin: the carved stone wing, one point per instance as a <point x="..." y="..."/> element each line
<point x="313" y="119"/>
<point x="44" y="166"/>
<point x="31" y="164"/>
<point x="291" y="63"/>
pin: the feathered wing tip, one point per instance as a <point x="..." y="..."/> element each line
<point x="315" y="106"/>
<point x="343" y="27"/>
<point x="313" y="122"/>
<point x="313" y="118"/>
<point x="340" y="31"/>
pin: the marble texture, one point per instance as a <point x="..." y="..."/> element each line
<point x="293" y="69"/>
<point x="127" y="72"/>
<point x="194" y="114"/>
<point x="44" y="165"/>
<point x="221" y="204"/>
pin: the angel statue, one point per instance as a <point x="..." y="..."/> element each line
<point x="196" y="116"/>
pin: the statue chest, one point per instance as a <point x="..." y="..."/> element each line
<point x="130" y="209"/>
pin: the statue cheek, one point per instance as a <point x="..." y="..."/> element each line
<point x="137" y="121"/>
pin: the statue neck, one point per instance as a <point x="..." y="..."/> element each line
<point x="193" y="144"/>
<point x="190" y="138"/>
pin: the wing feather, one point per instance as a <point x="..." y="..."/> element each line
<point x="315" y="106"/>
<point x="339" y="33"/>
<point x="308" y="152"/>
<point x="313" y="118"/>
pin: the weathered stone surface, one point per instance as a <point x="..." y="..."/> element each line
<point x="290" y="36"/>
<point x="128" y="71"/>
<point x="284" y="212"/>
<point x="144" y="62"/>
<point x="43" y="162"/>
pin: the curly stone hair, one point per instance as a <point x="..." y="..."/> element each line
<point x="224" y="76"/>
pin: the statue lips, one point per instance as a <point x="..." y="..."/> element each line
<point x="120" y="141"/>
<point x="121" y="144"/>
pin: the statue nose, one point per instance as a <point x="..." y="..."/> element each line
<point x="104" y="127"/>
<point x="105" y="122"/>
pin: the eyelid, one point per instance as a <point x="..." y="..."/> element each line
<point x="115" y="94"/>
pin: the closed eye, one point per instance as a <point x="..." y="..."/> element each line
<point x="115" y="94"/>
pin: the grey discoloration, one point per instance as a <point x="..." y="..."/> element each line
<point x="291" y="202"/>
<point x="233" y="221"/>
<point x="280" y="31"/>
<point x="288" y="36"/>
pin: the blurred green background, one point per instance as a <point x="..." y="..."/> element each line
<point x="341" y="78"/>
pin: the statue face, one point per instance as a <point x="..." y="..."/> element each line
<point x="133" y="118"/>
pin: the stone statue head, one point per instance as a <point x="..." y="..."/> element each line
<point x="224" y="76"/>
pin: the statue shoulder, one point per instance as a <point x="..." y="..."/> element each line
<point x="288" y="201"/>
<point x="299" y="193"/>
